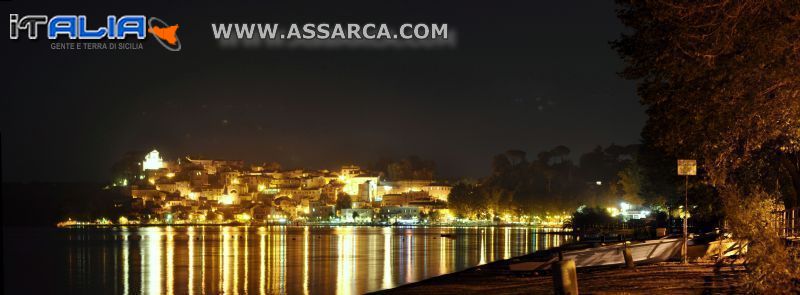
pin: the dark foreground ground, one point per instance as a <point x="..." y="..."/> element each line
<point x="662" y="278"/>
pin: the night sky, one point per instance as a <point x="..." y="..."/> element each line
<point x="524" y="76"/>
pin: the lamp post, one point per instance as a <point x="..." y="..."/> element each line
<point x="686" y="168"/>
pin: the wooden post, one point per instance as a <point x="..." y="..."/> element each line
<point x="626" y="252"/>
<point x="794" y="222"/>
<point x="565" y="278"/>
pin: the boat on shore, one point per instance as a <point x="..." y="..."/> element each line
<point x="651" y="251"/>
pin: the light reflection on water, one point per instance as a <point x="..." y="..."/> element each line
<point x="277" y="259"/>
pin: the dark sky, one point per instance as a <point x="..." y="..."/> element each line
<point x="525" y="75"/>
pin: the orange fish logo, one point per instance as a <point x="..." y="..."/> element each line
<point x="165" y="34"/>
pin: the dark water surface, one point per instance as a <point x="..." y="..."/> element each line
<point x="249" y="260"/>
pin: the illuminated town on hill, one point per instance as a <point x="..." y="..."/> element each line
<point x="212" y="191"/>
<point x="191" y="190"/>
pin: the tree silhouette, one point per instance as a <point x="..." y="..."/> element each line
<point x="721" y="83"/>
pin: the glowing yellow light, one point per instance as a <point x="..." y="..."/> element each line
<point x="170" y="175"/>
<point x="151" y="181"/>
<point x="225" y="199"/>
<point x="152" y="161"/>
<point x="243" y="217"/>
<point x="262" y="187"/>
<point x="235" y="181"/>
<point x="123" y="220"/>
<point x="193" y="196"/>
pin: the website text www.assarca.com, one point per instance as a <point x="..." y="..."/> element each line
<point x="324" y="31"/>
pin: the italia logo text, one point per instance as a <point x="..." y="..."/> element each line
<point x="77" y="27"/>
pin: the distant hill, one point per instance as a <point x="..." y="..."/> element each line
<point x="47" y="203"/>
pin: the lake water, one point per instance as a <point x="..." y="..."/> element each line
<point x="249" y="260"/>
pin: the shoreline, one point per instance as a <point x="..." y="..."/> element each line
<point x="656" y="278"/>
<point x="555" y="230"/>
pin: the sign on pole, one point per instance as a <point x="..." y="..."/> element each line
<point x="687" y="167"/>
